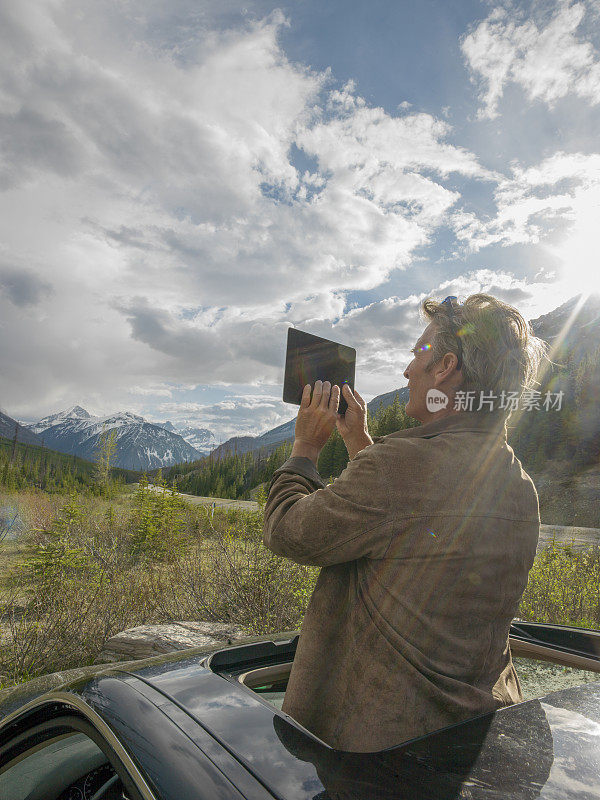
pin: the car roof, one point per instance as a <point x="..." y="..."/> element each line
<point x="13" y="697"/>
<point x="559" y="637"/>
<point x="551" y="741"/>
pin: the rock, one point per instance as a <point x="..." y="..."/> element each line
<point x="146" y="641"/>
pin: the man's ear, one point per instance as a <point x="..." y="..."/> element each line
<point x="445" y="367"/>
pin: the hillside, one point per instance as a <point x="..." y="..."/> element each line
<point x="42" y="468"/>
<point x="385" y="400"/>
<point x="8" y="427"/>
<point x="567" y="439"/>
<point x="575" y="334"/>
<point x="568" y="497"/>
<point x="265" y="443"/>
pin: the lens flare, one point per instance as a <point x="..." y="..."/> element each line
<point x="466" y="329"/>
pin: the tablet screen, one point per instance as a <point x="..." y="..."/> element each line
<point x="310" y="358"/>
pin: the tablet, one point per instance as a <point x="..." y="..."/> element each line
<point x="310" y="358"/>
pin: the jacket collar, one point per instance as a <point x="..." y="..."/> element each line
<point x="471" y="421"/>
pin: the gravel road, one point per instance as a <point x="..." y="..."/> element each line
<point x="580" y="537"/>
<point x="219" y="502"/>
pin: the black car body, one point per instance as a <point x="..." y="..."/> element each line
<point x="206" y="724"/>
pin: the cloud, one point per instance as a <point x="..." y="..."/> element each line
<point x="151" y="176"/>
<point x="248" y="415"/>
<point x="22" y="287"/>
<point x="31" y="140"/>
<point x="239" y="349"/>
<point x="394" y="321"/>
<point x="548" y="60"/>
<point x="151" y="391"/>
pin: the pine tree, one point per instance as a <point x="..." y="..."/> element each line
<point x="340" y="455"/>
<point x="104" y="458"/>
<point x="325" y="462"/>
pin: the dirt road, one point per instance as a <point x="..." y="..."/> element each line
<point x="566" y="534"/>
<point x="580" y="537"/>
<point x="218" y="502"/>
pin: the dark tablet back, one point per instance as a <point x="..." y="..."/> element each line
<point x="310" y="358"/>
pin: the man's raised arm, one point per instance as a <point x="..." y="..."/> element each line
<point x="311" y="523"/>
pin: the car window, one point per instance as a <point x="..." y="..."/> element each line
<point x="538" y="678"/>
<point x="43" y="772"/>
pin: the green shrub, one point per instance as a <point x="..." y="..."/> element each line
<point x="564" y="587"/>
<point x="157" y="524"/>
<point x="233" y="577"/>
<point x="54" y="559"/>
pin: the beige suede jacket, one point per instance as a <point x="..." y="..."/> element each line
<point x="425" y="542"/>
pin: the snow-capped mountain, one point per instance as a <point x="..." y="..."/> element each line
<point x="140" y="445"/>
<point x="201" y="439"/>
<point x="75" y="413"/>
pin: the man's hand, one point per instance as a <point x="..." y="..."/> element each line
<point x="352" y="427"/>
<point x="316" y="419"/>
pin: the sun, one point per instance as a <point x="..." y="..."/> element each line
<point x="579" y="252"/>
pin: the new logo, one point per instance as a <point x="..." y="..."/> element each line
<point x="436" y="400"/>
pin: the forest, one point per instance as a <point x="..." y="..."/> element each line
<point x="24" y="466"/>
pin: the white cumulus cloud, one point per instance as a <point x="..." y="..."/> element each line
<point x="547" y="59"/>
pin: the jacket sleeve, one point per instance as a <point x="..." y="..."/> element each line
<point x="332" y="524"/>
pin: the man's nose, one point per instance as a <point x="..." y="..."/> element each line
<point x="405" y="373"/>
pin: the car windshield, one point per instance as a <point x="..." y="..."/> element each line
<point x="48" y="769"/>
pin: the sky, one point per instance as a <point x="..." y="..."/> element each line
<point x="182" y="181"/>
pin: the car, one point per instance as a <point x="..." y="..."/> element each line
<point x="207" y="723"/>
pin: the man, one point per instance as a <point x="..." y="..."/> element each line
<point x="425" y="540"/>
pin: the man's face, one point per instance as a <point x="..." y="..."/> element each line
<point x="419" y="380"/>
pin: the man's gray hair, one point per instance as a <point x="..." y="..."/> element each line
<point x="499" y="351"/>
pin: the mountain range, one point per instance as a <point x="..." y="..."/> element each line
<point x="140" y="445"/>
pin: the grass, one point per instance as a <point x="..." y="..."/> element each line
<point x="84" y="568"/>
